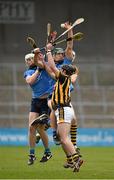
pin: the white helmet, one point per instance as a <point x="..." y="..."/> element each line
<point x="29" y="56"/>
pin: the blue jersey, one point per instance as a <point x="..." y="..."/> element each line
<point x="42" y="84"/>
<point x="59" y="65"/>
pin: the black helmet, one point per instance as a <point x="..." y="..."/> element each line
<point x="70" y="69"/>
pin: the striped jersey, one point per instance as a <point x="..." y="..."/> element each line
<point x="61" y="94"/>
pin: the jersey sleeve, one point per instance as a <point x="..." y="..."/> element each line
<point x="28" y="73"/>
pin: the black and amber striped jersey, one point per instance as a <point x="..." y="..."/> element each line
<point x="61" y="94"/>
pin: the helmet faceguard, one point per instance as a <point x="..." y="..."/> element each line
<point x="58" y="51"/>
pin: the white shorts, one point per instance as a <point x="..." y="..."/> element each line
<point x="65" y="114"/>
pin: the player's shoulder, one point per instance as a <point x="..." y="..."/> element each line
<point x="67" y="60"/>
<point x="28" y="72"/>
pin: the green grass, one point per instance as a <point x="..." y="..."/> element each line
<point x="98" y="164"/>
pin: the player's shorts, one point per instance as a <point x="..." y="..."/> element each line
<point x="64" y="114"/>
<point x="49" y="97"/>
<point x="39" y="106"/>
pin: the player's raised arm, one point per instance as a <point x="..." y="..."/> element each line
<point x="74" y="76"/>
<point x="51" y="60"/>
<point x="29" y="60"/>
<point x="38" y="58"/>
<point x="69" y="48"/>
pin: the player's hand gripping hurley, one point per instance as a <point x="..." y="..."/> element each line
<point x="78" y="21"/>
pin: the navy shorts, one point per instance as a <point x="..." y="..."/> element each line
<point x="49" y="97"/>
<point x="39" y="106"/>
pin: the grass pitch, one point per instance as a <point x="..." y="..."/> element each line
<point x="98" y="164"/>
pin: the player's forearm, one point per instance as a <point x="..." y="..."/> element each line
<point x="31" y="79"/>
<point x="70" y="43"/>
<point x="51" y="62"/>
<point x="50" y="59"/>
<point x="49" y="70"/>
<point x="74" y="78"/>
<point x="37" y="61"/>
<point x="69" y="48"/>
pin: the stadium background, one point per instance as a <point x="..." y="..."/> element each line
<point x="93" y="98"/>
